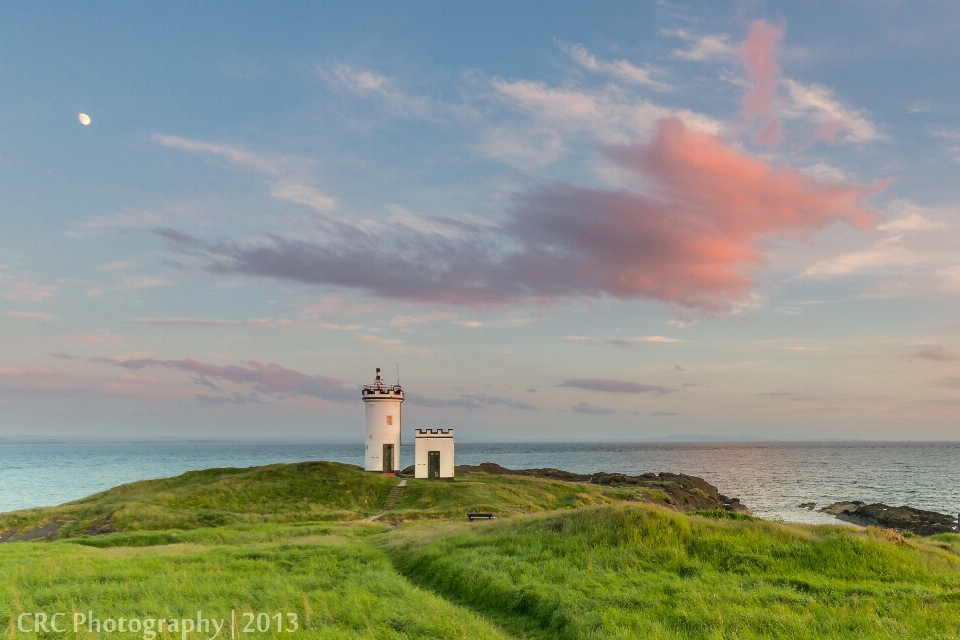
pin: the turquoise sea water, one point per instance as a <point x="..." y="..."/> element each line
<point x="770" y="478"/>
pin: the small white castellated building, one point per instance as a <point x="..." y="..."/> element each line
<point x="434" y="454"/>
<point x="383" y="426"/>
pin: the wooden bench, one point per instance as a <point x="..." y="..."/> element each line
<point x="480" y="516"/>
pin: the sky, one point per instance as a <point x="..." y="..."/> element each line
<point x="555" y="221"/>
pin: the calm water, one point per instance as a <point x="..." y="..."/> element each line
<point x="770" y="478"/>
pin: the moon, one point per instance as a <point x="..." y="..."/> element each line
<point x="83" y="118"/>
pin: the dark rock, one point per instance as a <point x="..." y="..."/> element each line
<point x="807" y="505"/>
<point x="683" y="492"/>
<point x="46" y="531"/>
<point x="903" y="518"/>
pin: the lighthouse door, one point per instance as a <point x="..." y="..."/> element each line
<point x="388" y="458"/>
<point x="433" y="464"/>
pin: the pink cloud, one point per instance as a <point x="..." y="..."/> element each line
<point x="772" y="133"/>
<point x="691" y="240"/>
<point x="270" y="378"/>
<point x="757" y="54"/>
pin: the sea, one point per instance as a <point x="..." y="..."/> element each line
<point x="772" y="479"/>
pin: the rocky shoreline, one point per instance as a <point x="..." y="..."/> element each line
<point x="683" y="492"/>
<point x="901" y="519"/>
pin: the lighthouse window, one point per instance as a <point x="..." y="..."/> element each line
<point x="389" y="419"/>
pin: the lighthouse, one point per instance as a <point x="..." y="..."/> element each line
<point x="383" y="426"/>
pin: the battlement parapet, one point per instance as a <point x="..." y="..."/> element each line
<point x="434" y="433"/>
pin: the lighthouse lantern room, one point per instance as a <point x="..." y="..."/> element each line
<point x="382" y="403"/>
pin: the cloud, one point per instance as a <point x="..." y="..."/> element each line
<point x="474" y="401"/>
<point x="703" y="48"/>
<point x="935" y="353"/>
<point x="140" y="282"/>
<point x="270" y="378"/>
<point x="664" y="413"/>
<point x="303" y="194"/>
<point x="523" y="148"/>
<point x="620" y="69"/>
<point x="615" y="386"/>
<point x="62" y="356"/>
<point x="259" y="322"/>
<point x="693" y="241"/>
<point x="14" y="289"/>
<point x="289" y="173"/>
<point x="99" y="336"/>
<point x="236" y="398"/>
<point x="29" y="315"/>
<point x="609" y="114"/>
<point x="776" y="394"/>
<point x="817" y="104"/>
<point x="495" y="401"/>
<point x="772" y="133"/>
<point x="405" y="321"/>
<point x="386" y="343"/>
<point x="905" y="246"/>
<point x="911" y="222"/>
<point x="757" y="54"/>
<point x="622" y="341"/>
<point x="886" y="252"/>
<point x="332" y="326"/>
<point x="953" y="136"/>
<point x="592" y="409"/>
<point x="370" y="83"/>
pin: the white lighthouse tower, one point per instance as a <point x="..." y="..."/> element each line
<point x="383" y="426"/>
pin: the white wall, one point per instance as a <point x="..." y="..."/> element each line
<point x="427" y="441"/>
<point x="379" y="432"/>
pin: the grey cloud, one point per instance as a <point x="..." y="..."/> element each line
<point x="615" y="386"/>
<point x="664" y="413"/>
<point x="935" y="353"/>
<point x="270" y="378"/>
<point x="776" y="394"/>
<point x="62" y="356"/>
<point x="592" y="409"/>
<point x="469" y="401"/>
<point x="204" y="382"/>
<point x="500" y="402"/>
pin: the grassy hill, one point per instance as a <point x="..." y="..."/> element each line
<point x="564" y="560"/>
<point x="628" y="571"/>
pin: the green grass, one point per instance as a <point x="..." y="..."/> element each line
<point x="564" y="560"/>
<point x="634" y="572"/>
<point x="503" y="495"/>
<point x="336" y="582"/>
<point x="307" y="492"/>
